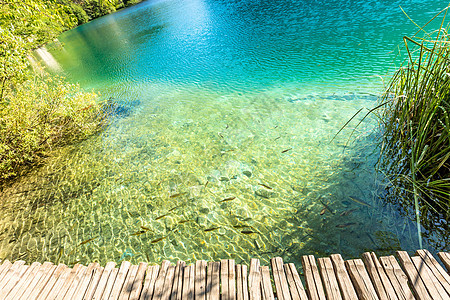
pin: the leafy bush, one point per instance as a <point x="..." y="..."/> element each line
<point x="37" y="112"/>
<point x="41" y="113"/>
<point x="78" y="12"/>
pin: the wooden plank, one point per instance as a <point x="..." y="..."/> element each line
<point x="347" y="290"/>
<point x="31" y="287"/>
<point x="120" y="279"/>
<point x="43" y="282"/>
<point x="59" y="284"/>
<point x="414" y="278"/>
<point x="85" y="281"/>
<point x="295" y="284"/>
<point x="168" y="283"/>
<point x="159" y="284"/>
<point x="110" y="284"/>
<point x="231" y="279"/>
<point x="177" y="289"/>
<point x="361" y="280"/>
<point x="102" y="282"/>
<point x="239" y="283"/>
<point x="139" y="281"/>
<point x="433" y="286"/>
<point x="224" y="278"/>
<point x="329" y="278"/>
<point x="75" y="283"/>
<point x="149" y="282"/>
<point x="4" y="269"/>
<point x="435" y="267"/>
<point x="200" y="280"/>
<point x="445" y="258"/>
<point x="375" y="276"/>
<point x="93" y="282"/>
<point x="213" y="281"/>
<point x="396" y="277"/>
<point x="128" y="283"/>
<point x="68" y="282"/>
<point x="12" y="272"/>
<point x="279" y="279"/>
<point x="26" y="279"/>
<point x="254" y="280"/>
<point x="314" y="286"/>
<point x="50" y="282"/>
<point x="188" y="282"/>
<point x="266" y="285"/>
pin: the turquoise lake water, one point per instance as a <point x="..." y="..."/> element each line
<point x="223" y="144"/>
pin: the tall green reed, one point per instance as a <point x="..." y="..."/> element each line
<point x="415" y="127"/>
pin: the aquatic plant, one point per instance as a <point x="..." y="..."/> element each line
<point x="415" y="127"/>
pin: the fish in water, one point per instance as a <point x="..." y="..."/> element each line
<point x="173" y="208"/>
<point x="347" y="212"/>
<point x="139" y="232"/>
<point x="277" y="138"/>
<point x="345" y="225"/>
<point x="158" y="240"/>
<point x="177" y="195"/>
<point x="326" y="207"/>
<point x="286" y="150"/>
<point x="145" y="228"/>
<point x="86" y="241"/>
<point x="248" y="232"/>
<point x="266" y="186"/>
<point x="206" y="184"/>
<point x="183" y="221"/>
<point x="228" y="199"/>
<point x="160" y="217"/>
<point x="359" y="201"/>
<point x="323" y="211"/>
<point x="211" y="229"/>
<point x="131" y="214"/>
<point x="241" y="226"/>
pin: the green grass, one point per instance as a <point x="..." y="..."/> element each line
<point x="415" y="127"/>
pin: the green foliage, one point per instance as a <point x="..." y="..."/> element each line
<point x="416" y="128"/>
<point x="36" y="22"/>
<point x="37" y="112"/>
<point x="41" y="113"/>
<point x="78" y="12"/>
<point x="98" y="8"/>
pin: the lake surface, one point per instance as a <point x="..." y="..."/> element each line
<point x="222" y="145"/>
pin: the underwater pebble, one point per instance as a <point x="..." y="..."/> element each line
<point x="169" y="222"/>
<point x="247" y="173"/>
<point x="202" y="221"/>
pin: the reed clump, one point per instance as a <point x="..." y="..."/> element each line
<point x="415" y="128"/>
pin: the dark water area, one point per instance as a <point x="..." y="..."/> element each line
<point x="222" y="144"/>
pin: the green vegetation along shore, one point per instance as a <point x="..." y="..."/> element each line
<point x="415" y="127"/>
<point x="39" y="111"/>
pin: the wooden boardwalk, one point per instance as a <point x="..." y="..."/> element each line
<point x="417" y="277"/>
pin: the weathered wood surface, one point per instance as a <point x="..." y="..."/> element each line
<point x="415" y="277"/>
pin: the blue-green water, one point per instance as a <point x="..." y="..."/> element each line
<point x="223" y="144"/>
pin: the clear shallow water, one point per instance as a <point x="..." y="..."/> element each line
<point x="222" y="148"/>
